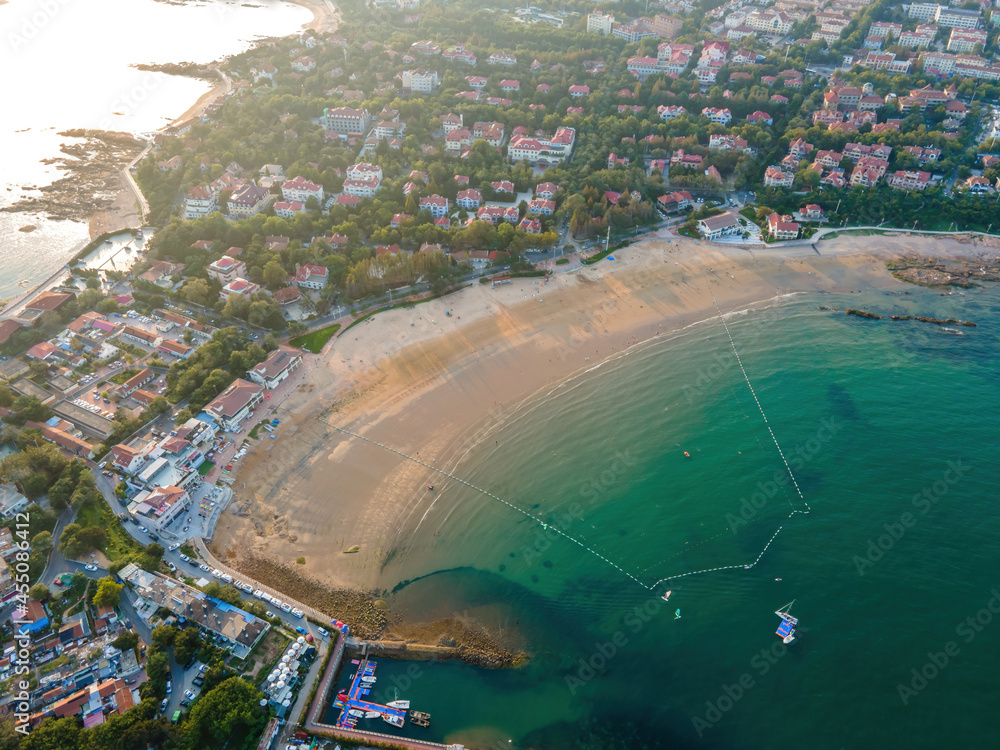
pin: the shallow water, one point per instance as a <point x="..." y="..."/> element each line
<point x="890" y="430"/>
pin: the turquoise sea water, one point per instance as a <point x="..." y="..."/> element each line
<point x="891" y="431"/>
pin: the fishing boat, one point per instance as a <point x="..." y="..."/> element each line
<point x="420" y="718"/>
<point x="396" y="721"/>
<point x="398" y="704"/>
<point x="787" y="627"/>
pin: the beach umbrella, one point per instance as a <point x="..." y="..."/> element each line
<point x="285" y="658"/>
<point x="301" y="639"/>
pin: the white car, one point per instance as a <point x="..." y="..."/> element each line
<point x="143" y="529"/>
<point x="173" y="568"/>
<point x="323" y="632"/>
<point x="90" y="567"/>
<point x="185" y="558"/>
<point x="175" y="545"/>
<point x="204" y="567"/>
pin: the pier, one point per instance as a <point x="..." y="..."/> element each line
<point x="355" y="701"/>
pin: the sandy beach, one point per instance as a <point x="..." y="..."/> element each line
<point x="431" y="385"/>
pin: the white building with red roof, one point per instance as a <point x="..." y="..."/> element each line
<point x="288" y="209"/>
<point x="200" y="202"/>
<point x="436" y="204"/>
<point x="226" y="270"/>
<point x="468" y="199"/>
<point x="239" y="288"/>
<point x="301" y="190"/>
<point x="311" y="277"/>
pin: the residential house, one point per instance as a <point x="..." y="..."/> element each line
<point x="200" y="202"/>
<point x="436" y="204"/>
<point x="136" y="381"/>
<point x="139" y="336"/>
<point x="276" y="368"/>
<point x="782" y="227"/>
<point x="301" y="190"/>
<point x="247" y="201"/>
<point x="469" y="199"/>
<point x="226" y="270"/>
<point x="311" y="277"/>
<point x="235" y="403"/>
<point x="778" y="177"/>
<point x="909" y="180"/>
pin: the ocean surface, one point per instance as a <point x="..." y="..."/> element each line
<point x="67" y="66"/>
<point x="890" y="430"/>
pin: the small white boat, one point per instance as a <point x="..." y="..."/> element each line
<point x="368" y="679"/>
<point x="372" y="714"/>
<point x="396" y="721"/>
<point x="355" y="712"/>
<point x="398" y="704"/>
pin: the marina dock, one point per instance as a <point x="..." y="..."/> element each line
<point x="354" y="699"/>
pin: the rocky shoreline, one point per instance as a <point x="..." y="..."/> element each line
<point x="959" y="272"/>
<point x="92" y="176"/>
<point x="922" y="319"/>
<point x="370" y="619"/>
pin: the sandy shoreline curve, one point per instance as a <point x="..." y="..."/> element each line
<point x="432" y="386"/>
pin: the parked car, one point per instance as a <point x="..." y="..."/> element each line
<point x="300" y="630"/>
<point x="143" y="529"/>
<point x="204" y="567"/>
<point x="189" y="694"/>
<point x="163" y="704"/>
<point x="185" y="558"/>
<point x="91" y="566"/>
<point x="175" y="545"/>
<point x="323" y="632"/>
<point x="169" y="687"/>
<point x="198" y="681"/>
<point x="173" y="568"/>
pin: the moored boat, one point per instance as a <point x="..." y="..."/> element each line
<point x="398" y="704"/>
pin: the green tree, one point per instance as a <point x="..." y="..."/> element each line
<point x="197" y="291"/>
<point x="186" y="645"/>
<point x="230" y="707"/>
<point x="274" y="275"/>
<point x="109" y="593"/>
<point x="42" y="542"/>
<point x="39" y="592"/>
<point x="126" y="640"/>
<point x="164" y="635"/>
<point x="54" y="734"/>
